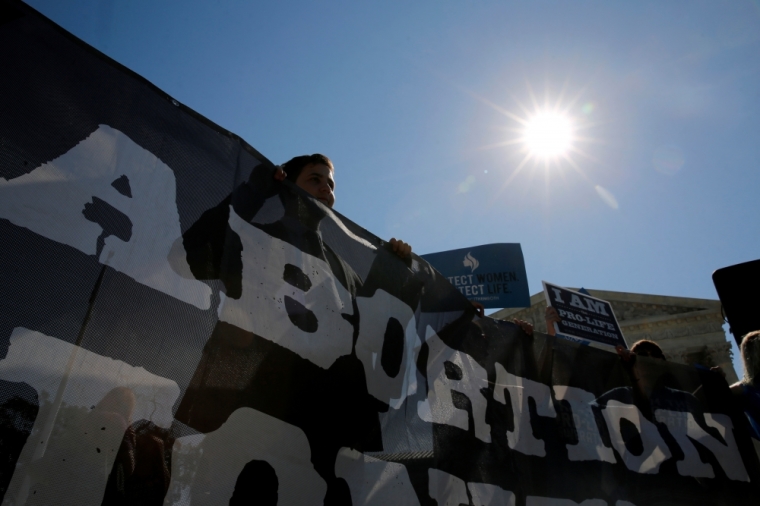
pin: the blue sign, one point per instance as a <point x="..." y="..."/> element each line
<point x="492" y="274"/>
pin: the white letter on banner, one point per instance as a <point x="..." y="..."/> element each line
<point x="251" y="435"/>
<point x="373" y="481"/>
<point x="655" y="449"/>
<point x="522" y="439"/>
<point x="376" y="314"/>
<point x="550" y="501"/>
<point x="576" y="301"/>
<point x="51" y="200"/>
<point x="269" y="305"/>
<point x="440" y="387"/>
<point x="485" y="494"/>
<point x="446" y="489"/>
<point x="590" y="446"/>
<point x="684" y="429"/>
<point x="596" y="306"/>
<point x="72" y="448"/>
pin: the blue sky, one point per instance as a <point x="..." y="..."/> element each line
<point x="410" y="98"/>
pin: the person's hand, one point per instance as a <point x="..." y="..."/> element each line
<point x="718" y="370"/>
<point x="478" y="308"/>
<point x="400" y="248"/>
<point x="279" y="174"/>
<point x="626" y="355"/>
<point x="551" y="318"/>
<point x="525" y="326"/>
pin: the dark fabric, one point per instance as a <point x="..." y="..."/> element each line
<point x="748" y="398"/>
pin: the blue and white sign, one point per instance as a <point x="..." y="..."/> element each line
<point x="492" y="274"/>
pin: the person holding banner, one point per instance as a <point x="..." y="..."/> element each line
<point x="314" y="175"/>
<point x="551" y="316"/>
<point x="747" y="391"/>
<point x="214" y="251"/>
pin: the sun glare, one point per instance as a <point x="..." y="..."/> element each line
<point x="548" y="134"/>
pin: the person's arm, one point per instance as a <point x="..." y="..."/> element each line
<point x="551" y="317"/>
<point x="626" y="355"/>
<point x="525" y="326"/>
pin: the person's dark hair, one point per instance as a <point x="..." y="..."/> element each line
<point x="647" y="348"/>
<point x="294" y="166"/>
<point x="750" y="350"/>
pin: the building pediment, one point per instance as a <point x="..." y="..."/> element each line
<point x="627" y="306"/>
<point x="688" y="330"/>
<point x="627" y="311"/>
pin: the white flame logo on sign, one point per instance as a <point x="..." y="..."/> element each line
<point x="471" y="262"/>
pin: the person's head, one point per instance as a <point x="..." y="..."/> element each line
<point x="644" y="373"/>
<point x="314" y="174"/>
<point x="647" y="348"/>
<point x="750" y="350"/>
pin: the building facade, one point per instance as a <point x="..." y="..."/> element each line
<point x="689" y="331"/>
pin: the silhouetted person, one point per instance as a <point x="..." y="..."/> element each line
<point x="747" y="391"/>
<point x="257" y="485"/>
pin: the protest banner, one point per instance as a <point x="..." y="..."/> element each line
<point x="492" y="274"/>
<point x="583" y="316"/>
<point x="177" y="327"/>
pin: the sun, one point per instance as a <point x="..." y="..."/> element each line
<point x="548" y="134"/>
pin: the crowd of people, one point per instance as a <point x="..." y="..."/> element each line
<point x="315" y="175"/>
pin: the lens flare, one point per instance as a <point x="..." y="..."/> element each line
<point x="668" y="159"/>
<point x="607" y="196"/>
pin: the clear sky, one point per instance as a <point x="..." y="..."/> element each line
<point x="421" y="107"/>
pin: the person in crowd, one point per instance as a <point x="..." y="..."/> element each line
<point x="641" y="348"/>
<point x="647" y="348"/>
<point x="747" y="391"/>
<point x="642" y="389"/>
<point x="214" y="251"/>
<point x="315" y="175"/>
<point x="652" y="389"/>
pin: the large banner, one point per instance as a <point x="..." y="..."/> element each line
<point x="178" y="328"/>
<point x="492" y="274"/>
